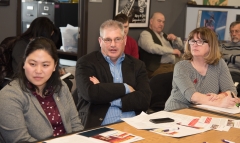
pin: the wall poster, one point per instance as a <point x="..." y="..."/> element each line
<point x="215" y="20"/>
<point x="136" y="10"/>
<point x="215" y="2"/>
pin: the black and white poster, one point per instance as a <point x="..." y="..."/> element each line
<point x="136" y="10"/>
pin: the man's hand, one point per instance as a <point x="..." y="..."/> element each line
<point x="176" y="52"/>
<point x="94" y="80"/>
<point x="131" y="88"/>
<point x="171" y="37"/>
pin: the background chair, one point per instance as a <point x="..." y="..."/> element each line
<point x="6" y="71"/>
<point x="161" y="86"/>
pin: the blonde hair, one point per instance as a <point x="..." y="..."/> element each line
<point x="211" y="39"/>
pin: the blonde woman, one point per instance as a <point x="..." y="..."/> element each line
<point x="203" y="77"/>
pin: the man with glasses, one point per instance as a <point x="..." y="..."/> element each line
<point x="231" y="49"/>
<point x="157" y="49"/>
<point x="110" y="84"/>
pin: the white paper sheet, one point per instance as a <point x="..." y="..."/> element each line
<point x="232" y="110"/>
<point x="183" y="125"/>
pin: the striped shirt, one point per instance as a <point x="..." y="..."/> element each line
<point x="114" y="113"/>
<point x="187" y="81"/>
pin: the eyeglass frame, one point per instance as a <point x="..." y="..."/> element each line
<point x="234" y="31"/>
<point x="196" y="41"/>
<point x="111" y="40"/>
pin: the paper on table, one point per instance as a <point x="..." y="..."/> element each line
<point x="181" y="132"/>
<point x="232" y="110"/>
<point x="142" y="122"/>
<point x="220" y="124"/>
<point x="185" y="127"/>
<point x="70" y="139"/>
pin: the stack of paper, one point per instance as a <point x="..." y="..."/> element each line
<point x="183" y="125"/>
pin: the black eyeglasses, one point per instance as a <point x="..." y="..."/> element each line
<point x="198" y="42"/>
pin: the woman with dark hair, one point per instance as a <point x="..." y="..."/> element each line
<point x="40" y="27"/>
<point x="36" y="104"/>
<point x="203" y="76"/>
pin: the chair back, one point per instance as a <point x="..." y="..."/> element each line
<point x="161" y="86"/>
<point x="152" y="61"/>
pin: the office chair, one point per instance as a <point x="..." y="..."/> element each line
<point x="161" y="86"/>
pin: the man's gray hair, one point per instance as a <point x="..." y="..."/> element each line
<point x="234" y="23"/>
<point x="111" y="24"/>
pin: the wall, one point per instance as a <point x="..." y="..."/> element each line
<point x="8" y="16"/>
<point x="174" y="11"/>
<point x="230" y="2"/>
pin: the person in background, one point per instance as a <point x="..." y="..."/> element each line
<point x="111" y="85"/>
<point x="39" y="27"/>
<point x="36" y="104"/>
<point x="131" y="47"/>
<point x="202" y="77"/>
<point x="231" y="49"/>
<point x="157" y="49"/>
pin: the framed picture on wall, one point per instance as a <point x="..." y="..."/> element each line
<point x="237" y="17"/>
<point x="215" y="2"/>
<point x="215" y="20"/>
<point x="4" y="2"/>
<point x="136" y="10"/>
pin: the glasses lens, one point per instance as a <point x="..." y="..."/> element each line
<point x="198" y="42"/>
<point x="191" y="42"/>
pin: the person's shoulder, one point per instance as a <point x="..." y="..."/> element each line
<point x="20" y="45"/>
<point x="221" y="62"/>
<point x="11" y="89"/>
<point x="145" y="31"/>
<point x="90" y="56"/>
<point x="132" y="59"/>
<point x="130" y="39"/>
<point x="22" y="41"/>
<point x="182" y="63"/>
<point x="64" y="89"/>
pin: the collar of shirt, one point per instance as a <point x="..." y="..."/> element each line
<point x="115" y="69"/>
<point x="119" y="60"/>
<point x="159" y="34"/>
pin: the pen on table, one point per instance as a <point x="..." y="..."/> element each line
<point x="173" y="129"/>
<point x="227" y="141"/>
<point x="237" y="104"/>
<point x="190" y="126"/>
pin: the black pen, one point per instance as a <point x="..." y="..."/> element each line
<point x="237" y="104"/>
